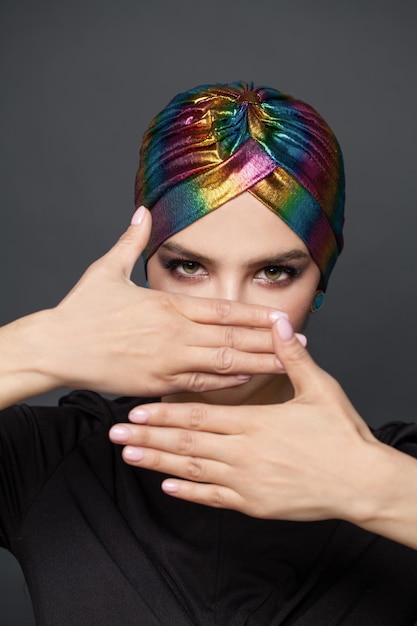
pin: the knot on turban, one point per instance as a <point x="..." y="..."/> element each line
<point x="216" y="141"/>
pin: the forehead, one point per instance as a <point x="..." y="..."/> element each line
<point x="242" y="226"/>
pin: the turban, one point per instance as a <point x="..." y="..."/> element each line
<point x="214" y="142"/>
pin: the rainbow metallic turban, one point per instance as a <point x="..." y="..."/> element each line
<point x="216" y="141"/>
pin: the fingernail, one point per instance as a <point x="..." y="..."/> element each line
<point x="133" y="454"/>
<point x="119" y="434"/>
<point x="302" y="339"/>
<point x="277" y="315"/>
<point x="170" y="486"/>
<point x="285" y="329"/>
<point x="280" y="365"/>
<point x="139" y="416"/>
<point x="138" y="216"/>
<point x="243" y="377"/>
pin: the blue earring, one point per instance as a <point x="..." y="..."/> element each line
<point x="317" y="302"/>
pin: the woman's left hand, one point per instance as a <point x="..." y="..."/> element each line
<point x="310" y="458"/>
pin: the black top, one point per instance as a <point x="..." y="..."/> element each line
<point x="100" y="543"/>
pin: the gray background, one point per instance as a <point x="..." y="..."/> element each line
<point x="80" y="80"/>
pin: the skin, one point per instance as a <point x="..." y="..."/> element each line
<point x="310" y="457"/>
<point x="109" y="335"/>
<point x="292" y="447"/>
<point x="239" y="252"/>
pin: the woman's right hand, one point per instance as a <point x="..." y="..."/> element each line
<point x="109" y="335"/>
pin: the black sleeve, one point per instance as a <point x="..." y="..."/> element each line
<point x="399" y="435"/>
<point x="33" y="442"/>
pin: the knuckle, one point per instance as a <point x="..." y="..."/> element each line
<point x="261" y="364"/>
<point x="161" y="412"/>
<point x="297" y="355"/>
<point x="216" y="499"/>
<point x="258" y="317"/>
<point x="156" y="459"/>
<point x="165" y="301"/>
<point x="197" y="381"/>
<point x="230" y="337"/>
<point x="223" y="309"/>
<point x="185" y="441"/>
<point x="194" y="470"/>
<point x="223" y="359"/>
<point x="197" y="416"/>
<point x="261" y="511"/>
<point x="126" y="239"/>
<point x="143" y="437"/>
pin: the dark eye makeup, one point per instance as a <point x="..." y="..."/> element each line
<point x="173" y="264"/>
<point x="270" y="275"/>
<point x="277" y="274"/>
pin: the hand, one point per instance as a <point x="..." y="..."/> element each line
<point x="300" y="460"/>
<point x="112" y="336"/>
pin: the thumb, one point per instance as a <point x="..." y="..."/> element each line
<point x="297" y="362"/>
<point x="126" y="251"/>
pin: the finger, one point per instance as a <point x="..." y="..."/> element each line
<point x="174" y="441"/>
<point x="229" y="361"/>
<point x="299" y="366"/>
<point x="126" y="251"/>
<point x="186" y="467"/>
<point x="216" y="496"/>
<point x="213" y="311"/>
<point x="202" y="381"/>
<point x="192" y="416"/>
<point x="243" y="339"/>
<point x="238" y="338"/>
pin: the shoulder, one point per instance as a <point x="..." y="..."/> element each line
<point x="41" y="444"/>
<point x="81" y="404"/>
<point x="97" y="407"/>
<point x="79" y="416"/>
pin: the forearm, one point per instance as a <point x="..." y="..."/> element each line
<point x="387" y="504"/>
<point x="21" y="371"/>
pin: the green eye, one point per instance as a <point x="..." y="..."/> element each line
<point x="190" y="267"/>
<point x="273" y="273"/>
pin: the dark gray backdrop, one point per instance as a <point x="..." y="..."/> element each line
<point x="81" y="80"/>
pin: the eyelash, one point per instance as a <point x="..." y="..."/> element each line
<point x="292" y="271"/>
<point x="172" y="265"/>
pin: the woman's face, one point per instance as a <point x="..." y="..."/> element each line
<point x="241" y="251"/>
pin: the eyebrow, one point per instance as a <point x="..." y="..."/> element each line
<point x="290" y="255"/>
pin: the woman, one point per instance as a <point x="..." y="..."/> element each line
<point x="246" y="192"/>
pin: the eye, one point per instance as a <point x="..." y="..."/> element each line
<point x="183" y="268"/>
<point x="277" y="274"/>
<point x="188" y="267"/>
<point x="274" y="273"/>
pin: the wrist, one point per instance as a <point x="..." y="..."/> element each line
<point x="23" y="371"/>
<point x="386" y="501"/>
<point x="367" y="488"/>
